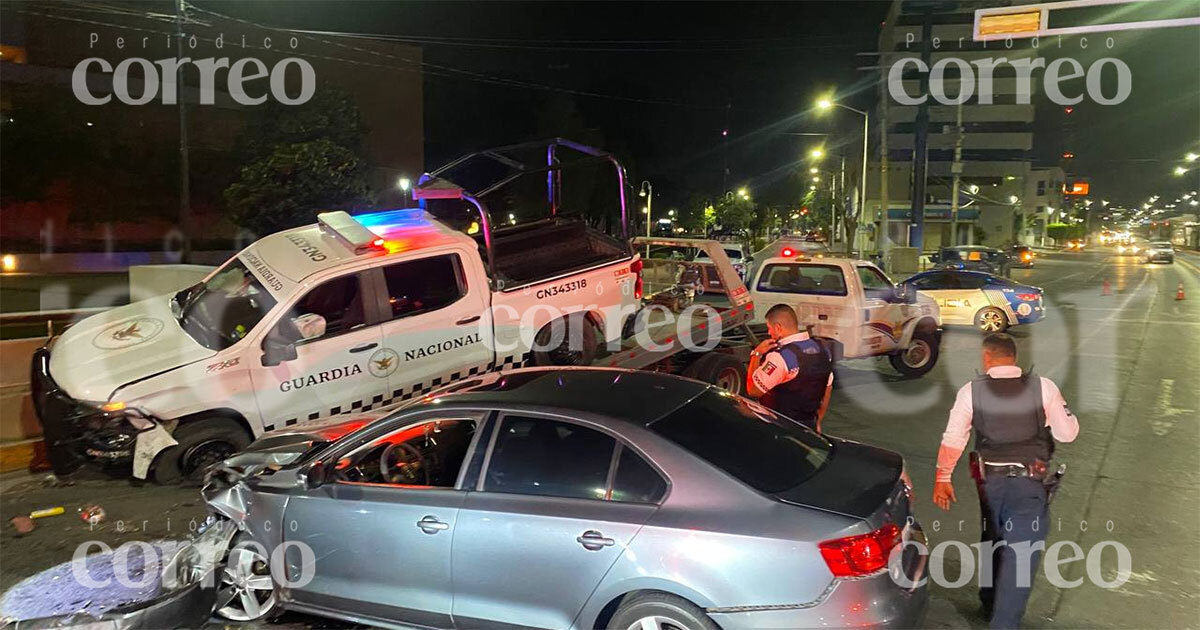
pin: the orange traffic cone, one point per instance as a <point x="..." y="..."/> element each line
<point x="1179" y="292"/>
<point x="1107" y="289"/>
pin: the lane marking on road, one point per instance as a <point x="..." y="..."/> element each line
<point x="1166" y="410"/>
<point x="1090" y="500"/>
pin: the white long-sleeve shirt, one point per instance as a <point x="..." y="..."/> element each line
<point x="1064" y="426"/>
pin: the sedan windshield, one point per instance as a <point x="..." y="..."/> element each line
<point x="223" y="310"/>
<point x="768" y="452"/>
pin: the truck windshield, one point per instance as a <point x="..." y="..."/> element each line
<point x="223" y="310"/>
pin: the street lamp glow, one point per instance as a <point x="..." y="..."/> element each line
<point x="743" y="193"/>
<point x="817" y="154"/>
<point x="973" y="188"/>
<point x="1013" y="199"/>
<point x="816" y="180"/>
<point x="1191" y="157"/>
<point x="813" y="170"/>
<point x="1179" y="170"/>
<point x="824" y="104"/>
<point x="404" y="183"/>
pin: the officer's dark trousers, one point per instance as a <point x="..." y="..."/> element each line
<point x="1016" y="513"/>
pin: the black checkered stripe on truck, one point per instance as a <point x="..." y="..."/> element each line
<point x="400" y="395"/>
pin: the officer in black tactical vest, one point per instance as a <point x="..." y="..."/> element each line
<point x="791" y="372"/>
<point x="1016" y="418"/>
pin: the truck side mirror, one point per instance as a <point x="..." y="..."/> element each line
<point x="280" y="344"/>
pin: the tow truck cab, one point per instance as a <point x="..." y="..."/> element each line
<point x="351" y="313"/>
<point x="854" y="306"/>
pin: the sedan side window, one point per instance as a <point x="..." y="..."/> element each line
<point x="425" y="285"/>
<point x="971" y="281"/>
<point x="544" y="457"/>
<point x="636" y="481"/>
<point x="428" y="454"/>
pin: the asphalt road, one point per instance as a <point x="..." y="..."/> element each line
<point x="1127" y="363"/>
<point x="1129" y="366"/>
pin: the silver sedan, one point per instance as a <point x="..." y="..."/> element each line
<point x="571" y="498"/>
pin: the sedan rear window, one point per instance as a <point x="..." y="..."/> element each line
<point x="768" y="452"/>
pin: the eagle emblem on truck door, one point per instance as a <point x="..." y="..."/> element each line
<point x="383" y="362"/>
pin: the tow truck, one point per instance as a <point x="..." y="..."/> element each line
<point x="853" y="307"/>
<point x="358" y="312"/>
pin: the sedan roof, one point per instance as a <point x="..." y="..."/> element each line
<point x="636" y="396"/>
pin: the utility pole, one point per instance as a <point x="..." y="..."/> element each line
<point x="956" y="169"/>
<point x="185" y="210"/>
<point x="921" y="139"/>
<point x="884" y="241"/>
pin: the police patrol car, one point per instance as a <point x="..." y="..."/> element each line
<point x="988" y="302"/>
<point x="348" y="314"/>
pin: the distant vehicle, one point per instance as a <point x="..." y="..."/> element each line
<point x="739" y="256"/>
<point x="1159" y="251"/>
<point x="973" y="258"/>
<point x="1076" y="245"/>
<point x="988" y="302"/>
<point x="1022" y="256"/>
<point x="855" y="307"/>
<point x="585" y="483"/>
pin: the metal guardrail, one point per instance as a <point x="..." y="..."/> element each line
<point x="50" y="317"/>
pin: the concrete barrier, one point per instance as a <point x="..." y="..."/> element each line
<point x="19" y="427"/>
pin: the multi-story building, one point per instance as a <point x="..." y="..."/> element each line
<point x="995" y="140"/>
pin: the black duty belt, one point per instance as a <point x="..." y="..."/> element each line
<point x="1006" y="470"/>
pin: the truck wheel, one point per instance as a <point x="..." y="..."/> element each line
<point x="919" y="357"/>
<point x="576" y="326"/>
<point x="991" y="320"/>
<point x="721" y="370"/>
<point x="202" y="443"/>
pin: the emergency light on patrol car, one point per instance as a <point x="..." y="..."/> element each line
<point x="343" y="226"/>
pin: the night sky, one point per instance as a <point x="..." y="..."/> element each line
<point x="673" y="75"/>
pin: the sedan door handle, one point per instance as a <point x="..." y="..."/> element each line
<point x="431" y="525"/>
<point x="593" y="540"/>
<point x="467" y="320"/>
<point x="364" y="347"/>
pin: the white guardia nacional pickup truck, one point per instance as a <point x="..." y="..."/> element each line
<point x="854" y="306"/>
<point x="346" y="314"/>
<point x="357" y="312"/>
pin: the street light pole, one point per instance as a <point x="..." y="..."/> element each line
<point x="862" y="199"/>
<point x="647" y="191"/>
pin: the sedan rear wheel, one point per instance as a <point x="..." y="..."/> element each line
<point x="660" y="611"/>
<point x="991" y="320"/>
<point x="246" y="591"/>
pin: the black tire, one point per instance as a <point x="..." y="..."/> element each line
<point x="910" y="362"/>
<point x="990" y="319"/>
<point x="672" y="611"/>
<point x="720" y="369"/>
<point x="577" y="325"/>
<point x="202" y="443"/>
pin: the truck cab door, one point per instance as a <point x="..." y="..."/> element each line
<point x="330" y="372"/>
<point x="437" y="327"/>
<point x="882" y="308"/>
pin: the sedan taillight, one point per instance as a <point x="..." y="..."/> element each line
<point x="856" y="556"/>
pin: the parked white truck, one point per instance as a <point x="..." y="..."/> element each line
<point x="354" y="313"/>
<point x="854" y="306"/>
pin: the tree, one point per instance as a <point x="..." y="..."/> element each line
<point x="298" y="161"/>
<point x="734" y="212"/>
